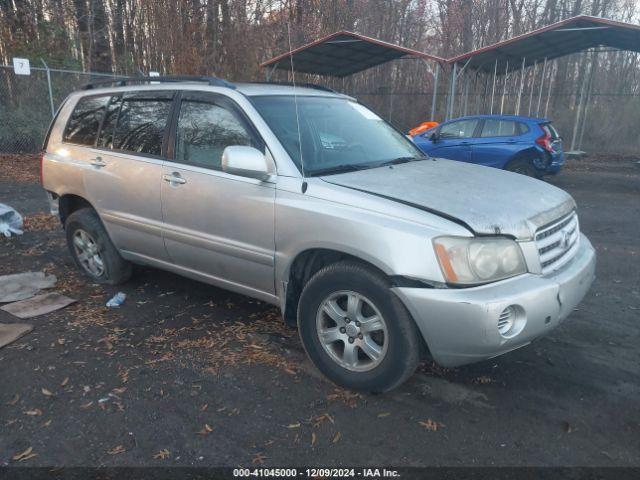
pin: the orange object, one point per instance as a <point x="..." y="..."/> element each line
<point x="423" y="127"/>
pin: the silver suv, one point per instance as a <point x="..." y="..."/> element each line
<point x="308" y="200"/>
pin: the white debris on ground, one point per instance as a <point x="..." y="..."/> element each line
<point x="10" y="221"/>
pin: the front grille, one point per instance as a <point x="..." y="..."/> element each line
<point x="557" y="243"/>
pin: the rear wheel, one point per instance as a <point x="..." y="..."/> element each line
<point x="355" y="330"/>
<point x="92" y="250"/>
<point x="523" y="166"/>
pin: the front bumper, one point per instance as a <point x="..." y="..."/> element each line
<point x="461" y="325"/>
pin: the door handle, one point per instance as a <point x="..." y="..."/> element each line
<point x="98" y="162"/>
<point x="174" y="179"/>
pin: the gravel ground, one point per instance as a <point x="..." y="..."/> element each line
<point x="187" y="374"/>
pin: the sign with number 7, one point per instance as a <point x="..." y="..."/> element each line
<point x="21" y="66"/>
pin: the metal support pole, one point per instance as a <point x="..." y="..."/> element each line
<point x="452" y="91"/>
<point x="481" y="101"/>
<point x="53" y="108"/>
<point x="544" y="69"/>
<point x="594" y="60"/>
<point x="504" y="90"/>
<point x="546" y="106"/>
<point x="493" y="88"/>
<point x="435" y="92"/>
<point x="533" y="83"/>
<point x="574" y="135"/>
<point x="521" y="86"/>
<point x="466" y="95"/>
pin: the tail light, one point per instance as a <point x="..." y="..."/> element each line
<point x="545" y="140"/>
<point x="42" y="167"/>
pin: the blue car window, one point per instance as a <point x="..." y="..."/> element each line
<point x="461" y="129"/>
<point x="499" y="128"/>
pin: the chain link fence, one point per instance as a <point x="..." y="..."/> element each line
<point x="610" y="120"/>
<point x="28" y="103"/>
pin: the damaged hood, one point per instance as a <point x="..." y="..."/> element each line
<point x="486" y="200"/>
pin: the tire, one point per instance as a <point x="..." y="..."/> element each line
<point x="398" y="343"/>
<point x="523" y="166"/>
<point x="85" y="235"/>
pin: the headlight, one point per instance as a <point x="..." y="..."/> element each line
<point x="472" y="261"/>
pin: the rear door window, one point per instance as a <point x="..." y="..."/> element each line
<point x="84" y="123"/>
<point x="142" y="122"/>
<point x="500" y="128"/>
<point x="461" y="129"/>
<point x="105" y="137"/>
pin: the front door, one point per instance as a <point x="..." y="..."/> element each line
<point x="216" y="224"/>
<point x="453" y="140"/>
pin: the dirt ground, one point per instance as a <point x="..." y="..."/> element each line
<point x="186" y="374"/>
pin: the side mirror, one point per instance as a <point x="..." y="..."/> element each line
<point x="434" y="137"/>
<point x="245" y="162"/>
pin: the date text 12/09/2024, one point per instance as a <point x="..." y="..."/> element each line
<point x="316" y="472"/>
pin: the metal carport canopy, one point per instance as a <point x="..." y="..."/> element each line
<point x="556" y="40"/>
<point x="341" y="54"/>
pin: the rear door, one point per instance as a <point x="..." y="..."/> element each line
<point x="125" y="171"/>
<point x="217" y="224"/>
<point x="498" y="141"/>
<point x="454" y="140"/>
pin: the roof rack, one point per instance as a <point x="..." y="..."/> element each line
<point x="315" y="86"/>
<point x="121" y="82"/>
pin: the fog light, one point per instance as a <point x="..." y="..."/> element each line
<point x="506" y="321"/>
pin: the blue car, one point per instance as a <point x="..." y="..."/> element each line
<point x="530" y="146"/>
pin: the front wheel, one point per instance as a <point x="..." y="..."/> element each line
<point x="355" y="330"/>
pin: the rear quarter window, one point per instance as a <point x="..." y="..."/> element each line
<point x="84" y="122"/>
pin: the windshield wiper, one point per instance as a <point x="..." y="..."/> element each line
<point x="347" y="167"/>
<point x="399" y="160"/>
<point x="351" y="167"/>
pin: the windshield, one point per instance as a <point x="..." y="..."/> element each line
<point x="336" y="134"/>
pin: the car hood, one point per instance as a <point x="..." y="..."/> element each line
<point x="485" y="200"/>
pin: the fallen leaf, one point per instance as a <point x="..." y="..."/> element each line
<point x="46" y="392"/>
<point x="162" y="454"/>
<point x="204" y="407"/>
<point x="294" y="425"/>
<point x="431" y="425"/>
<point x="336" y="437"/>
<point x="14" y="400"/>
<point x="27" y="454"/>
<point x="46" y="424"/>
<point x="206" y="430"/>
<point x="116" y="450"/>
<point x="33" y="413"/>
<point x="258" y="458"/>
<point x="119" y="390"/>
<point x="483" y="380"/>
<point x="64" y="382"/>
<point x="383" y="414"/>
<point x="86" y="405"/>
<point x="314" y="439"/>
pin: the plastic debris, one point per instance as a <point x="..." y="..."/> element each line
<point x="10" y="221"/>
<point x="117" y="300"/>
<point x="21" y="286"/>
